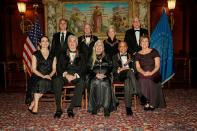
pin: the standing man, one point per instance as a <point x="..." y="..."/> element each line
<point x="124" y="71"/>
<point x="133" y="35"/>
<point x="70" y="69"/>
<point x="87" y="41"/>
<point x="59" y="42"/>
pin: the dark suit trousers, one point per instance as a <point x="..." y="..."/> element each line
<point x="58" y="84"/>
<point x="130" y="87"/>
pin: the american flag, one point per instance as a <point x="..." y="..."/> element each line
<point x="31" y="44"/>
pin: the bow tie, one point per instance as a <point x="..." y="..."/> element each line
<point x="87" y="35"/>
<point x="136" y="30"/>
<point x="72" y="51"/>
<point x="123" y="55"/>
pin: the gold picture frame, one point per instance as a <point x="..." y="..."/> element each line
<point x="113" y="12"/>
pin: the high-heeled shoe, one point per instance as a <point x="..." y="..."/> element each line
<point x="29" y="110"/>
<point x="151" y="108"/>
<point x="34" y="113"/>
<point x="147" y="107"/>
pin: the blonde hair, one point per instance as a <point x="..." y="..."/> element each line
<point x="111" y="27"/>
<point x="94" y="51"/>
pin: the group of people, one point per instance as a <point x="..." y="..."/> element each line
<point x="88" y="62"/>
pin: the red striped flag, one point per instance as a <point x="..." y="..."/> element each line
<point x="31" y="45"/>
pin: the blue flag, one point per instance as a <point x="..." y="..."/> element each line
<point x="161" y="40"/>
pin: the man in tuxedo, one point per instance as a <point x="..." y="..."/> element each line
<point x="59" y="42"/>
<point x="87" y="41"/>
<point x="124" y="71"/>
<point x="133" y="35"/>
<point x="69" y="70"/>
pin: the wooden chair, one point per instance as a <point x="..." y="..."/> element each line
<point x="121" y="85"/>
<point x="66" y="94"/>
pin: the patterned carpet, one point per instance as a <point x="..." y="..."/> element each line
<point x="179" y="115"/>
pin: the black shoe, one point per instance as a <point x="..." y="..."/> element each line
<point x="147" y="107"/>
<point x="70" y="113"/>
<point x="129" y="111"/>
<point x="34" y="113"/>
<point x="106" y="113"/>
<point x="30" y="110"/>
<point x="94" y="111"/>
<point x="58" y="114"/>
<point x="151" y="108"/>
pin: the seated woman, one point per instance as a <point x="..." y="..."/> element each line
<point x="43" y="69"/>
<point x="148" y="65"/>
<point x="101" y="93"/>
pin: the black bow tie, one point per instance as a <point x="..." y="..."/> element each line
<point x="72" y="51"/>
<point x="88" y="36"/>
<point x="136" y="30"/>
<point x="123" y="55"/>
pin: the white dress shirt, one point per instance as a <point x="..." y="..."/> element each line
<point x="87" y="40"/>
<point x="72" y="56"/>
<point x="137" y="35"/>
<point x="124" y="61"/>
<point x="64" y="35"/>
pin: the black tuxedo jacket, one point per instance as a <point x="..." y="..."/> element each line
<point x="64" y="64"/>
<point x="84" y="48"/>
<point x="131" y="41"/>
<point x="118" y="63"/>
<point x="56" y="47"/>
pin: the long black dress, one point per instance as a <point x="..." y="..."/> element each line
<point x="149" y="88"/>
<point x="101" y="93"/>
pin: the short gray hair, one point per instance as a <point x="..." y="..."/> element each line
<point x="73" y="37"/>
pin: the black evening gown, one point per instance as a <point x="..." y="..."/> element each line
<point x="37" y="84"/>
<point x="101" y="92"/>
<point x="149" y="88"/>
